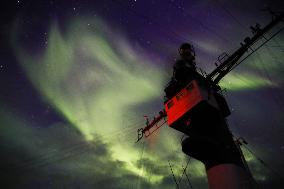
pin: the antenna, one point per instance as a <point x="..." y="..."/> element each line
<point x="197" y="108"/>
<point x="152" y="126"/>
<point x="225" y="67"/>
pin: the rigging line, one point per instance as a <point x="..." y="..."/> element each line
<point x="129" y="128"/>
<point x="190" y="184"/>
<point x="231" y="15"/>
<point x="52" y="156"/>
<point x="130" y="124"/>
<point x="118" y="132"/>
<point x="141" y="172"/>
<point x="277" y="98"/>
<point x="168" y="33"/>
<point x="263" y="163"/>
<point x="173" y="175"/>
<point x="262" y="64"/>
<point x="175" y="34"/>
<point x="44" y="161"/>
<point x="272" y="54"/>
<point x="278" y="44"/>
<point x="203" y="25"/>
<point x="72" y="149"/>
<point x="184" y="173"/>
<point x="233" y="67"/>
<point x="49" y="157"/>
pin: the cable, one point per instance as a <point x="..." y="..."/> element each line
<point x="278" y="45"/>
<point x="263" y="163"/>
<point x="184" y="172"/>
<point x="175" y="35"/>
<point x="173" y="175"/>
<point x="188" y="181"/>
<point x="231" y="15"/>
<point x="233" y="67"/>
<point x="68" y="152"/>
<point x="48" y="158"/>
<point x="277" y="98"/>
<point x="203" y="25"/>
<point x="141" y="156"/>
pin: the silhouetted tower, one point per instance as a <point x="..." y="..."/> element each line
<point x="195" y="106"/>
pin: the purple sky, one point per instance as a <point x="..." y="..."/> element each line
<point x="43" y="139"/>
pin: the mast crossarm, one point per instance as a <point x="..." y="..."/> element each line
<point x="147" y="131"/>
<point x="225" y="67"/>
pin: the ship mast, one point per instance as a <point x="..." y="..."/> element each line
<point x="198" y="110"/>
<point x="232" y="61"/>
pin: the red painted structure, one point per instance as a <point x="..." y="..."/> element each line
<point x="188" y="98"/>
<point x="195" y="107"/>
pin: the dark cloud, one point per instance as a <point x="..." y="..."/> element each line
<point x="40" y="150"/>
<point x="58" y="157"/>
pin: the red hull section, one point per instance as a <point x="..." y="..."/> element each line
<point x="188" y="98"/>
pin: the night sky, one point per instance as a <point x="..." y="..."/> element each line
<point x="77" y="77"/>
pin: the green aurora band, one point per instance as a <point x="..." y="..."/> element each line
<point x="96" y="80"/>
<point x="89" y="82"/>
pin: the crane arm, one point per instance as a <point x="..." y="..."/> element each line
<point x="225" y="67"/>
<point x="152" y="126"/>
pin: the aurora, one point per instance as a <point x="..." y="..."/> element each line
<point x="80" y="77"/>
